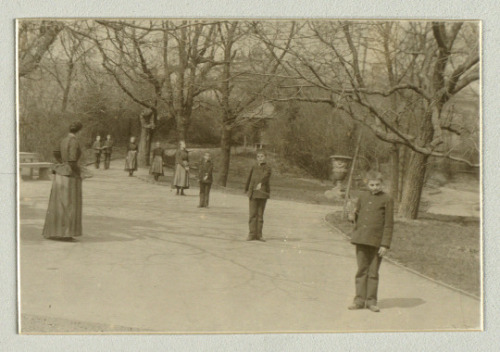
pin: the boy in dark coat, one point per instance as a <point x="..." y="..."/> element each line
<point x="258" y="190"/>
<point x="205" y="170"/>
<point x="373" y="217"/>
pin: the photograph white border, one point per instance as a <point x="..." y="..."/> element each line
<point x="486" y="10"/>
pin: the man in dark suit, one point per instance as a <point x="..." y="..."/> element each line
<point x="258" y="190"/>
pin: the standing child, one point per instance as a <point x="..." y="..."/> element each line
<point x="373" y="217"/>
<point x="181" y="173"/>
<point x="258" y="190"/>
<point x="97" y="146"/>
<point x="156" y="168"/>
<point x="131" y="159"/>
<point x="205" y="171"/>
<point x="107" y="149"/>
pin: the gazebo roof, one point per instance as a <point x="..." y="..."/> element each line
<point x="263" y="111"/>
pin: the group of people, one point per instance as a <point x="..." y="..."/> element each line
<point x="105" y="148"/>
<point x="372" y="213"/>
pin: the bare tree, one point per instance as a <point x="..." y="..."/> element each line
<point x="433" y="65"/>
<point x="161" y="65"/>
<point x="243" y="80"/>
<point x="35" y="38"/>
<point x="62" y="59"/>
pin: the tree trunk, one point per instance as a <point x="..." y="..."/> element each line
<point x="181" y="128"/>
<point x="412" y="192"/>
<point x="225" y="146"/>
<point x="67" y="87"/>
<point x="403" y="166"/>
<point x="394" y="172"/>
<point x="145" y="146"/>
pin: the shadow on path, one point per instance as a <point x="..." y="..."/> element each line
<point x="400" y="303"/>
<point x="94" y="228"/>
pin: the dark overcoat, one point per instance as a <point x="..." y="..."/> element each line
<point x="97" y="147"/>
<point x="205" y="169"/>
<point x="374" y="220"/>
<point x="107" y="146"/>
<point x="259" y="174"/>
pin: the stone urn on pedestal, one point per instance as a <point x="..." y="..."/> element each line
<point x="340" y="169"/>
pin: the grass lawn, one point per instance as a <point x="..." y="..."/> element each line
<point x="441" y="247"/>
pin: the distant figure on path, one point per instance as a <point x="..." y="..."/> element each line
<point x="181" y="175"/>
<point x="258" y="190"/>
<point x="131" y="158"/>
<point x="205" y="171"/>
<point x="107" y="149"/>
<point x="156" y="168"/>
<point x="63" y="220"/>
<point x="373" y="218"/>
<point x="97" y="146"/>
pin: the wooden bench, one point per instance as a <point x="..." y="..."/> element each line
<point x="42" y="168"/>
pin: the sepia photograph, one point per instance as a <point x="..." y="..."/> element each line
<point x="230" y="176"/>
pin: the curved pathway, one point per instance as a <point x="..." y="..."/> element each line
<point x="152" y="261"/>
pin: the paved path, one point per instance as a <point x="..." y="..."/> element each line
<point x="153" y="261"/>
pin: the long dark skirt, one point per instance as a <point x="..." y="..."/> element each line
<point x="181" y="177"/>
<point x="64" y="213"/>
<point x="156" y="166"/>
<point x="131" y="161"/>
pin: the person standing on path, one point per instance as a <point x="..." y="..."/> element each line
<point x="156" y="168"/>
<point x="131" y="159"/>
<point x="63" y="220"/>
<point x="97" y="146"/>
<point x="107" y="149"/>
<point x="181" y="175"/>
<point x="205" y="171"/>
<point x="258" y="190"/>
<point x="373" y="217"/>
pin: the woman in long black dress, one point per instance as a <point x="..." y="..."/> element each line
<point x="63" y="220"/>
<point x="131" y="159"/>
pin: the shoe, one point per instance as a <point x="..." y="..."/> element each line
<point x="200" y="206"/>
<point x="251" y="238"/>
<point x="355" y="306"/>
<point x="261" y="239"/>
<point x="374" y="308"/>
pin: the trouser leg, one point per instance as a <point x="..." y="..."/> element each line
<point x="97" y="160"/>
<point x="253" y="217"/>
<point x="260" y="216"/>
<point x="107" y="160"/>
<point x="202" y="194"/>
<point x="363" y="260"/>
<point x="373" y="278"/>
<point x="207" y="193"/>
